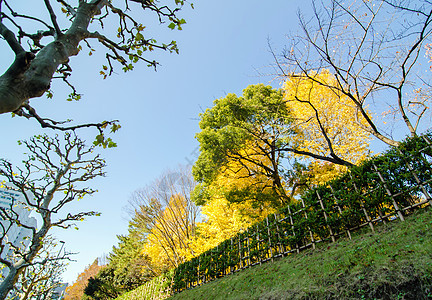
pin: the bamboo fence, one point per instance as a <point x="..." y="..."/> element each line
<point x="385" y="188"/>
<point x="158" y="288"/>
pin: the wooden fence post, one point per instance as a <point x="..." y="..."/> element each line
<point x="258" y="243"/>
<point x="310" y="231"/>
<point x="199" y="279"/>
<point x="325" y="216"/>
<point x="339" y="209"/>
<point x="239" y="252"/>
<point x="269" y="239"/>
<point x="396" y="207"/>
<point x="292" y="226"/>
<point x="419" y="183"/>
<point x="368" y="219"/>
<point x="248" y="248"/>
<point x="281" y="246"/>
<point x="231" y="267"/>
<point x="217" y="261"/>
<point x="204" y="273"/>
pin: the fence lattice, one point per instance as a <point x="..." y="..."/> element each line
<point x="382" y="189"/>
<point x="158" y="288"/>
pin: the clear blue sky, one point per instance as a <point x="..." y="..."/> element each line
<point x="222" y="48"/>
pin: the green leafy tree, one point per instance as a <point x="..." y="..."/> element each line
<point x="241" y="139"/>
<point x="268" y="143"/>
<point x="130" y="264"/>
<point x="128" y="268"/>
<point x="103" y="285"/>
<point x="162" y="212"/>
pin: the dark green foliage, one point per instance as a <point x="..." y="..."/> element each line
<point x="102" y="286"/>
<point x="129" y="263"/>
<point x="383" y="188"/>
<point x="128" y="268"/>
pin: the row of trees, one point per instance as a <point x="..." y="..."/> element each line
<point x="256" y="151"/>
<point x="166" y="229"/>
<point x="246" y="171"/>
<point x="42" y="41"/>
<point x="260" y="150"/>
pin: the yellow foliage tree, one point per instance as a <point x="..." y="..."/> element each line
<point x="326" y="124"/>
<point x="222" y="218"/>
<point x="165" y="218"/>
<point x="253" y="174"/>
<point x="317" y="132"/>
<point x="167" y="243"/>
<point x="241" y="137"/>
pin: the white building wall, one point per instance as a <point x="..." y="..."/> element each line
<point x="18" y="236"/>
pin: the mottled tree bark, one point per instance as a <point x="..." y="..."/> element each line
<point x="30" y="74"/>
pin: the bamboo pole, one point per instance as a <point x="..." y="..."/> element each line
<point x="231" y="267"/>
<point x="396" y="207"/>
<point x="280" y="244"/>
<point x="419" y="183"/>
<point x="310" y="231"/>
<point x="248" y="248"/>
<point x="269" y="239"/>
<point x="325" y="216"/>
<point x="368" y="219"/>
<point x="258" y="244"/>
<point x="339" y="209"/>
<point x="292" y="227"/>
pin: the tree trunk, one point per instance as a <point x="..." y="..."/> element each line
<point x="30" y="76"/>
<point x="7" y="285"/>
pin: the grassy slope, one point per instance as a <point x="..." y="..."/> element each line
<point x="393" y="263"/>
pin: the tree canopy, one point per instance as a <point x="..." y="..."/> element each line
<point x="374" y="51"/>
<point x="252" y="147"/>
<point x="44" y="41"/>
<point x="241" y="137"/>
<point x="325" y="121"/>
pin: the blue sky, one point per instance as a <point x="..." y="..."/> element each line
<point x="223" y="48"/>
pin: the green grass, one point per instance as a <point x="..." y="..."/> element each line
<point x="393" y="263"/>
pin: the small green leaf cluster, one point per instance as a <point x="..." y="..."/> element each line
<point x="380" y="189"/>
<point x="49" y="94"/>
<point x="102" y="140"/>
<point x="177" y="24"/>
<point x="72" y="96"/>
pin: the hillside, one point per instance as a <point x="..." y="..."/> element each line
<point x="393" y="263"/>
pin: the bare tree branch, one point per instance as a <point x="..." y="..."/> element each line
<point x="47" y="182"/>
<point x="372" y="49"/>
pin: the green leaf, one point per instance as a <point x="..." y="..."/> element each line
<point x="139" y="37"/>
<point x="115" y="127"/>
<point x="49" y="94"/>
<point x="171" y="26"/>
